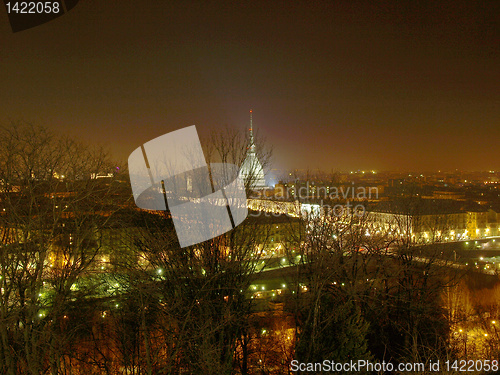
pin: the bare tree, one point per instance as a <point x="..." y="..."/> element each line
<point x="333" y="285"/>
<point x="52" y="204"/>
<point x="179" y="309"/>
<point x="409" y="303"/>
<point x="232" y="146"/>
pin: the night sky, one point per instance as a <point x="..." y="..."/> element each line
<point x="393" y="85"/>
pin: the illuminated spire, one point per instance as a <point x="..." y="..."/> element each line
<point x="252" y="144"/>
<point x="251" y="171"/>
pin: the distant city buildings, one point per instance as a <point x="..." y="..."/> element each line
<point x="431" y="220"/>
<point x="427" y="207"/>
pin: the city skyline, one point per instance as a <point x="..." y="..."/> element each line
<point x="388" y="86"/>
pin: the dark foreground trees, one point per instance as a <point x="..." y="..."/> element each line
<point x="333" y="289"/>
<point x="365" y="294"/>
<point x="191" y="303"/>
<point x="51" y="204"/>
<point x="90" y="284"/>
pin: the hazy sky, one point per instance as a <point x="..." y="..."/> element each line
<point x="343" y="85"/>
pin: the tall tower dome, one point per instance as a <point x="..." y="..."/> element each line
<point x="251" y="170"/>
